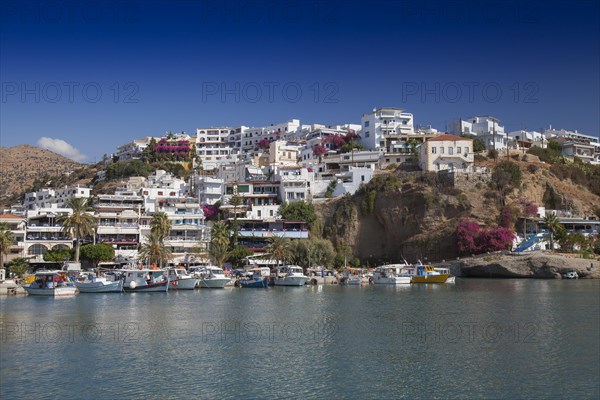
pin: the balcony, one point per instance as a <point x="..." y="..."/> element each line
<point x="266" y="233"/>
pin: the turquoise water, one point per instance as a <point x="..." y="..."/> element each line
<point x="477" y="338"/>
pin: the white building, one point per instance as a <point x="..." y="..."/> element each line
<point x="16" y="225"/>
<point x="251" y="137"/>
<point x="485" y="127"/>
<point x="44" y="233"/>
<point x="54" y="198"/>
<point x="133" y="149"/>
<point x="295" y="183"/>
<point x="529" y="137"/>
<point x="386" y="129"/>
<point x="215" y="146"/>
<point x="594" y="141"/>
<point x="447" y="152"/>
<point x="350" y="181"/>
<point x="209" y="190"/>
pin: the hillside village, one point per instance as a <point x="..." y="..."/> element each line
<point x="380" y="190"/>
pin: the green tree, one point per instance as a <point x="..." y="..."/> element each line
<point x="95" y="253"/>
<point x="553" y="226"/>
<point x="238" y="255"/>
<point x="154" y="250"/>
<point x="506" y="177"/>
<point x="298" y="211"/>
<point x="6" y="240"/>
<point x="80" y="223"/>
<point x="59" y="255"/>
<point x="161" y="225"/>
<point x="478" y="144"/>
<point x="218" y="248"/>
<point x="19" y="266"/>
<point x="279" y="249"/>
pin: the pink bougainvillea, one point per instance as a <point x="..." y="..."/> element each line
<point x="319" y="150"/>
<point x="472" y="239"/>
<point x="210" y="210"/>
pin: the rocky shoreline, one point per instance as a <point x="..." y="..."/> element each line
<point x="539" y="264"/>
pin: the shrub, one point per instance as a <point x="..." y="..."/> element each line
<point x="472" y="239"/>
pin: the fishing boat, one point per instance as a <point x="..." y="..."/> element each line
<point x="352" y="277"/>
<point x="392" y="274"/>
<point x="180" y="279"/>
<point x="51" y="283"/>
<point x="258" y="278"/>
<point x="290" y="275"/>
<point x="146" y="280"/>
<point x="571" y="275"/>
<point x="451" y="278"/>
<point x="213" y="277"/>
<point x="428" y="274"/>
<point x="88" y="282"/>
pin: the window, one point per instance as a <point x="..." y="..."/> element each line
<point x="271" y="213"/>
<point x="458" y="150"/>
<point x="466" y="150"/>
<point x="451" y="150"/>
<point x="367" y="134"/>
<point x="366" y="124"/>
<point x="433" y="150"/>
<point x="258" y="212"/>
<point x="362" y="178"/>
<point x="442" y="150"/>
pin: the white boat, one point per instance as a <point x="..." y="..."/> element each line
<point x="392" y="274"/>
<point x="451" y="278"/>
<point x="145" y="280"/>
<point x="213" y="277"/>
<point x="88" y="282"/>
<point x="180" y="279"/>
<point x="290" y="275"/>
<point x="352" y="277"/>
<point x="571" y="275"/>
<point x="51" y="283"/>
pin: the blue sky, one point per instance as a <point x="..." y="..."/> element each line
<point x="94" y="75"/>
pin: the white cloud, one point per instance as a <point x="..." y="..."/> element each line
<point x="61" y="147"/>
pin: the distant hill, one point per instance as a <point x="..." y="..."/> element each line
<point x="22" y="165"/>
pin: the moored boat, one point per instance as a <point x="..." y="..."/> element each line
<point x="290" y="275"/>
<point x="428" y="274"/>
<point x="90" y="283"/>
<point x="213" y="277"/>
<point x="179" y="279"/>
<point x="259" y="278"/>
<point x="392" y="274"/>
<point x="51" y="283"/>
<point x="146" y="280"/>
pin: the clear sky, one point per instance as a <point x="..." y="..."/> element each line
<point x="86" y="76"/>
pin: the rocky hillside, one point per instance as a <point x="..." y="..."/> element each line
<point x="534" y="265"/>
<point x="403" y="215"/>
<point x="23" y="166"/>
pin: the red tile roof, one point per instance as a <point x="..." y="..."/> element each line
<point x="447" y="137"/>
<point x="10" y="216"/>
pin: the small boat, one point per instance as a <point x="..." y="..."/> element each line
<point x="146" y="280"/>
<point x="179" y="279"/>
<point x="259" y="278"/>
<point x="392" y="274"/>
<point x="51" y="283"/>
<point x="88" y="282"/>
<point x="428" y="274"/>
<point x="352" y="277"/>
<point x="213" y="277"/>
<point x="451" y="278"/>
<point x="290" y="275"/>
<point x="571" y="275"/>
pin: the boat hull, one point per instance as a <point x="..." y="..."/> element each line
<point x="258" y="283"/>
<point x="183" y="284"/>
<point x="151" y="287"/>
<point x="291" y="281"/>
<point x="399" y="280"/>
<point x="100" y="287"/>
<point x="442" y="278"/>
<point x="60" y="291"/>
<point x="218" y="283"/>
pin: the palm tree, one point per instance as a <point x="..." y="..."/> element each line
<point x="280" y="249"/>
<point x="6" y="240"/>
<point x="235" y="201"/>
<point x="218" y="249"/>
<point x="161" y="225"/>
<point x="154" y="250"/>
<point x="553" y="225"/>
<point x="80" y="223"/>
